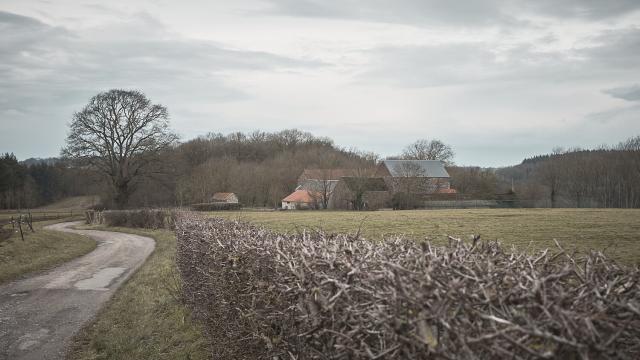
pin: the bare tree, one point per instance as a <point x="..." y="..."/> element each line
<point x="408" y="180"/>
<point x="323" y="188"/>
<point x="350" y="191"/>
<point x="120" y="133"/>
<point x="429" y="150"/>
<point x="477" y="182"/>
<point x="550" y="175"/>
<point x="631" y="144"/>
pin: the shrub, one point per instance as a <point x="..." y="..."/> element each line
<point x="142" y="218"/>
<point x="262" y="295"/>
<point x="405" y="201"/>
<point x="215" y="206"/>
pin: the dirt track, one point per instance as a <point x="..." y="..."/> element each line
<point x="40" y="314"/>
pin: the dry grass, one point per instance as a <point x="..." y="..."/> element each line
<point x="72" y="206"/>
<point x="73" y="203"/>
<point x="41" y="250"/>
<point x="618" y="230"/>
<point x="145" y="319"/>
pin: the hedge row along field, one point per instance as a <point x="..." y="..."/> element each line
<point x="142" y="218"/>
<point x="215" y="206"/>
<point x="261" y="295"/>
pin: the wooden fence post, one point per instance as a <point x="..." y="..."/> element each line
<point x="20" y="227"/>
<point x="30" y="222"/>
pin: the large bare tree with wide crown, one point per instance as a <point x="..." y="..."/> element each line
<point x="121" y="134"/>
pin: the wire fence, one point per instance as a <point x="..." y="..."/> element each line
<point x="37" y="215"/>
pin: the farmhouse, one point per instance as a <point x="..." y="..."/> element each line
<point x="224" y="197"/>
<point x="321" y="190"/>
<point x="361" y="193"/>
<point x="358" y="189"/>
<point x="318" y="185"/>
<point x="415" y="176"/>
<point x="301" y="199"/>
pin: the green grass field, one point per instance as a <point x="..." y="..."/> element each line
<point x="69" y="207"/>
<point x="145" y="319"/>
<point x="73" y="203"/>
<point x="40" y="250"/>
<point x="618" y="230"/>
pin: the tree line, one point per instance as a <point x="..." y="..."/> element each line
<point x="605" y="177"/>
<point x="261" y="167"/>
<point x="35" y="182"/>
<point x="120" y="146"/>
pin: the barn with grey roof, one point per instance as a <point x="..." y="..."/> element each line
<point x="420" y="177"/>
<point x="413" y="168"/>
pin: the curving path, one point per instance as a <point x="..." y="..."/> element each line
<point x="40" y="314"/>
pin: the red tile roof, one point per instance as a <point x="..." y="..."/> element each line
<point x="301" y="196"/>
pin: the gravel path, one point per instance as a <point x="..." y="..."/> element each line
<point x="40" y="314"/>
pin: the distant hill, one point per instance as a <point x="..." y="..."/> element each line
<point x="579" y="178"/>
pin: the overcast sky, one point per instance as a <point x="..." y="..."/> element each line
<point x="498" y="80"/>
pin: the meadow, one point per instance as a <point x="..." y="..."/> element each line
<point x="40" y="250"/>
<point x="65" y="208"/>
<point x="129" y="326"/>
<point x="615" y="230"/>
<point x="146" y="318"/>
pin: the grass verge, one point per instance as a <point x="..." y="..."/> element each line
<point x="145" y="319"/>
<point x="618" y="230"/>
<point x="43" y="249"/>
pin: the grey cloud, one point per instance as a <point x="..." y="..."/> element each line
<point x="614" y="55"/>
<point x="8" y="19"/>
<point x="49" y="72"/>
<point x="629" y="93"/>
<point x="425" y="66"/>
<point x="467" y="13"/>
<point x="399" y="11"/>
<point x="588" y="9"/>
<point x="625" y="115"/>
<point x="462" y="63"/>
<point x="525" y="79"/>
<point x="618" y="48"/>
<point x="136" y="48"/>
<point x="104" y="9"/>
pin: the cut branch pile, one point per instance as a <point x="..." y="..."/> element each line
<point x="319" y="296"/>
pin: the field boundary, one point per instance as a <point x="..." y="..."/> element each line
<point x="314" y="295"/>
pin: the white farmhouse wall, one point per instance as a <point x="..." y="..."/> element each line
<point x="289" y="205"/>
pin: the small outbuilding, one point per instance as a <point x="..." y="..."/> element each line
<point x="301" y="199"/>
<point x="224" y="197"/>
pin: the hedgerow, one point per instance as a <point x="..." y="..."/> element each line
<point x="141" y="218"/>
<point x="215" y="206"/>
<point x="262" y="295"/>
